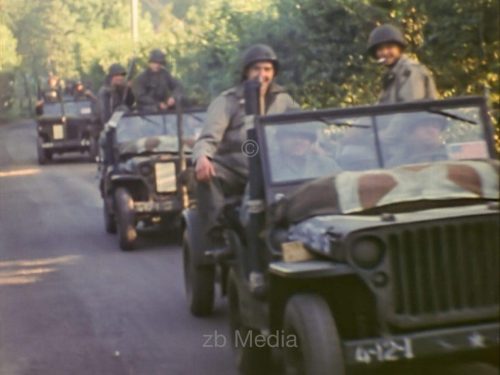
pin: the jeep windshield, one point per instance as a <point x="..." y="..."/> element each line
<point x="321" y="143"/>
<point x="157" y="132"/>
<point x="81" y="108"/>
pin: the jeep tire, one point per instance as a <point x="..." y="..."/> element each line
<point x="199" y="281"/>
<point x="125" y="220"/>
<point x="319" y="350"/>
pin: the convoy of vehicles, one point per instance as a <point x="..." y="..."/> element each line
<point x="386" y="255"/>
<point x="367" y="237"/>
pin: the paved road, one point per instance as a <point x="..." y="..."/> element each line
<point x="70" y="301"/>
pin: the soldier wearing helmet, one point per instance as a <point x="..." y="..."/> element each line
<point x="114" y="92"/>
<point x="155" y="89"/>
<point x="405" y="79"/>
<point x="51" y="94"/>
<point x="298" y="157"/>
<point x="220" y="165"/>
<point x="422" y="142"/>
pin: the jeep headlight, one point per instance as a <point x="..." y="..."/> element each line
<point x="367" y="252"/>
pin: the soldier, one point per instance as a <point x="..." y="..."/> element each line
<point x="423" y="142"/>
<point x="221" y="167"/>
<point x="297" y="158"/>
<point x="405" y="79"/>
<point x="51" y="94"/>
<point x="80" y="92"/>
<point x="112" y="94"/>
<point x="155" y="89"/>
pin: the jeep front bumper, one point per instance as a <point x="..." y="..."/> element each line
<point x="67" y="145"/>
<point x="155" y="207"/>
<point x="422" y="345"/>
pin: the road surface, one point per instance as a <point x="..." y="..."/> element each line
<point x="70" y="301"/>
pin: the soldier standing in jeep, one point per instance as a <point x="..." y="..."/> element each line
<point x="405" y="79"/>
<point x="112" y="93"/>
<point x="155" y="89"/>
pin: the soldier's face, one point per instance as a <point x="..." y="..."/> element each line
<point x="427" y="134"/>
<point x="118" y="80"/>
<point x="390" y="52"/>
<point x="295" y="145"/>
<point x="155" y="67"/>
<point x="263" y="71"/>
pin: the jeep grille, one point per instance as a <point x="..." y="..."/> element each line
<point x="446" y="268"/>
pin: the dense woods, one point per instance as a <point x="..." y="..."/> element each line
<point x="321" y="42"/>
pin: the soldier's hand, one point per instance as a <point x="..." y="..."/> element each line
<point x="170" y="102"/>
<point x="204" y="169"/>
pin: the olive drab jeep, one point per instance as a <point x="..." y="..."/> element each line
<point x="369" y="238"/>
<point x="140" y="182"/>
<point x="67" y="126"/>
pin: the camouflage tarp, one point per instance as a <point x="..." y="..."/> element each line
<point x="354" y="192"/>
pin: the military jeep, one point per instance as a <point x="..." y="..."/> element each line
<point x="369" y="239"/>
<point x="67" y="126"/>
<point x="140" y="182"/>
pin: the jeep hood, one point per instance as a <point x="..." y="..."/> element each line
<point x="406" y="186"/>
<point x="317" y="232"/>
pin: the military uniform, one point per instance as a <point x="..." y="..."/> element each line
<point x="50" y="95"/>
<point x="407" y="80"/>
<point x="151" y="88"/>
<point x="221" y="141"/>
<point x="110" y="97"/>
<point x="410" y="148"/>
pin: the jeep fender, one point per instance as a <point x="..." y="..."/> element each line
<point x="134" y="184"/>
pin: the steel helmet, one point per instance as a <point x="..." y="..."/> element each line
<point x="157" y="56"/>
<point x="257" y="53"/>
<point x="116" y="70"/>
<point x="385" y="34"/>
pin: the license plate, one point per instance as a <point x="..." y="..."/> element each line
<point x="57" y="132"/>
<point x="165" y="177"/>
<point x="85" y="111"/>
<point x="384" y="351"/>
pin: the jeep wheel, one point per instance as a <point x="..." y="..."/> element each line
<point x="318" y="351"/>
<point x="43" y="155"/>
<point x="199" y="282"/>
<point x="125" y="220"/>
<point x="109" y="219"/>
<point x="93" y="149"/>
<point x="251" y="358"/>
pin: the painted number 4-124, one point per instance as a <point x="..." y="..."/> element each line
<point x="385" y="351"/>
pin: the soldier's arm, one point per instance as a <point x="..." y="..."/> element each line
<point x="216" y="123"/>
<point x="174" y="86"/>
<point x="291" y="104"/>
<point x="140" y="92"/>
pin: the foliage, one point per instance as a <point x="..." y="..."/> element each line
<point x="321" y="43"/>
